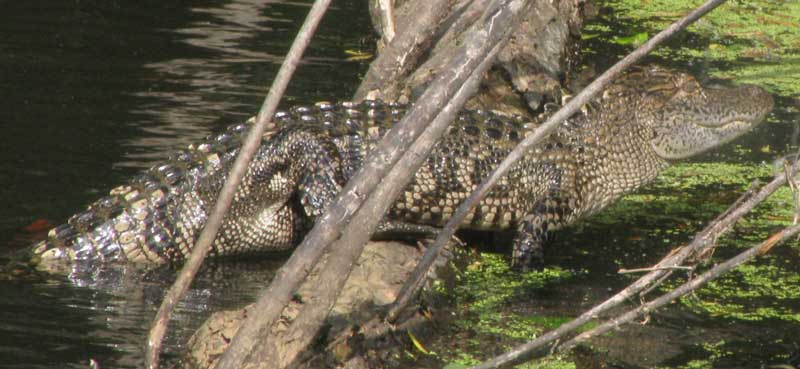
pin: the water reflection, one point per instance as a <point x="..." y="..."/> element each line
<point x="199" y="87"/>
<point x="54" y="323"/>
<point x="247" y="39"/>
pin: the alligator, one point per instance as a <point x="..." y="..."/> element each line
<point x="647" y="119"/>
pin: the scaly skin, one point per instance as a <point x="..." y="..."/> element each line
<point x="641" y="123"/>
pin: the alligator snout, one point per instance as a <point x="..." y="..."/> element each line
<point x="724" y="105"/>
<point x="690" y="124"/>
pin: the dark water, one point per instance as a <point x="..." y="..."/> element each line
<point x="92" y="92"/>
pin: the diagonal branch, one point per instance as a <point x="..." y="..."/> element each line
<point x="693" y="284"/>
<point x="225" y="199"/>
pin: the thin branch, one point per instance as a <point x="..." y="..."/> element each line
<point x="644" y="270"/>
<point x="249" y="148"/>
<point x="792" y="182"/>
<point x="713" y="273"/>
<point x="702" y="241"/>
<point x="417" y="277"/>
<point x="388" y="151"/>
<point x="403" y="51"/>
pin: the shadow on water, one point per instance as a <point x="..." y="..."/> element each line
<point x="94" y="91"/>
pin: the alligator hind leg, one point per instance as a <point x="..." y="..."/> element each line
<point x="275" y="228"/>
<point x="290" y="181"/>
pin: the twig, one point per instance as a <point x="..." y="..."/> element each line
<point x="700" y="242"/>
<point x="403" y="51"/>
<point x="250" y="146"/>
<point x="650" y="269"/>
<point x="416" y="279"/>
<point x="789" y="170"/>
<point x="687" y="287"/>
<point x="387" y="19"/>
<point x="389" y="150"/>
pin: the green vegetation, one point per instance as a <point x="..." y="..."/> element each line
<point x="754" y="42"/>
<point x="749" y="41"/>
<point x="465" y="361"/>
<point x="487" y="287"/>
<point x="486" y="297"/>
<point x="715" y="351"/>
<point x="752" y="292"/>
<point x="769" y="288"/>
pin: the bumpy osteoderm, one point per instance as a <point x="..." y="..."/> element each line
<point x="617" y="143"/>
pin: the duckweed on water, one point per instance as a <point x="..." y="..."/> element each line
<point x="752" y="293"/>
<point x="465" y="361"/>
<point x="749" y="41"/>
<point x="715" y="352"/>
<point x="484" y="293"/>
<point x="488" y="286"/>
<point x="767" y="289"/>
<point x="687" y="190"/>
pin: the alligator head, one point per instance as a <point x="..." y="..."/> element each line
<point x="652" y="116"/>
<point x="687" y="119"/>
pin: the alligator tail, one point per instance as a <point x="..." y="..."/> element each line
<point x="152" y="219"/>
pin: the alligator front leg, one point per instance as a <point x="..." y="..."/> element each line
<point x="549" y="215"/>
<point x="528" y="246"/>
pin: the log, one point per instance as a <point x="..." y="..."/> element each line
<point x="380" y="272"/>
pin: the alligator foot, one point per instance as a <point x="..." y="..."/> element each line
<point x="528" y="250"/>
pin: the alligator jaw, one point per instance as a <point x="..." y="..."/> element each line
<point x="718" y="117"/>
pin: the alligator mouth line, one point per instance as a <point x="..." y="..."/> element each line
<point x="751" y="120"/>
<point x="701" y="138"/>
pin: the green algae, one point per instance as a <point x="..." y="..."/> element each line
<point x="485" y="295"/>
<point x="769" y="289"/>
<point x="714" y="352"/>
<point x="465" y="361"/>
<point x="489" y="285"/>
<point x="752" y="292"/>
<point x="746" y="41"/>
<point x="687" y="192"/>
